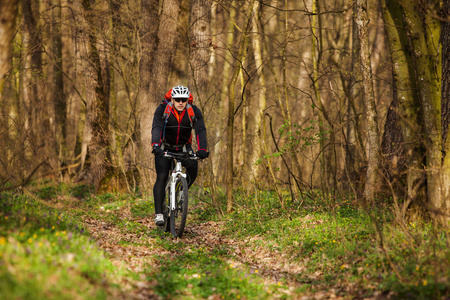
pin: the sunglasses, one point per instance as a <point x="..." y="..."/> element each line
<point x="180" y="99"/>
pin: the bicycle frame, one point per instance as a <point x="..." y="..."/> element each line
<point x="176" y="202"/>
<point x="178" y="171"/>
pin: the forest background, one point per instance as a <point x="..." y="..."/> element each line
<point x="346" y="97"/>
<point x="328" y="136"/>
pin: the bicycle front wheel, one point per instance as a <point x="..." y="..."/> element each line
<point x="166" y="212"/>
<point x="179" y="215"/>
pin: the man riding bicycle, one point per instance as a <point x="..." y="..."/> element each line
<point x="172" y="131"/>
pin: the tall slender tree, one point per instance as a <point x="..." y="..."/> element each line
<point x="199" y="41"/>
<point x="160" y="69"/>
<point x="425" y="64"/>
<point x="8" y="16"/>
<point x="414" y="41"/>
<point x="231" y="106"/>
<point x="72" y="66"/>
<point x="401" y="141"/>
<point x="362" y="21"/>
<point x="33" y="73"/>
<point x="259" y="134"/>
<point x="219" y="139"/>
<point x="445" y="106"/>
<point x="97" y="99"/>
<point x="148" y="33"/>
<point x="60" y="105"/>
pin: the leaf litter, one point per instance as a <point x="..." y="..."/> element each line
<point x="137" y="251"/>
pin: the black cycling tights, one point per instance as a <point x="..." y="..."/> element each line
<point x="162" y="165"/>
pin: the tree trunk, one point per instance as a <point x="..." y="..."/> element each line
<point x="288" y="120"/>
<point x="97" y="99"/>
<point x="217" y="159"/>
<point x="445" y="88"/>
<point x="213" y="40"/>
<point x="373" y="135"/>
<point x="230" y="123"/>
<point x="199" y="48"/>
<point x="72" y="86"/>
<point x="445" y="104"/>
<point x="60" y="109"/>
<point x="326" y="152"/>
<point x="401" y="141"/>
<point x="272" y="25"/>
<point x="167" y="37"/>
<point x="425" y="68"/>
<point x="8" y="15"/>
<point x="32" y="80"/>
<point x="242" y="151"/>
<point x="259" y="106"/>
<point x="352" y="115"/>
<point x="149" y="40"/>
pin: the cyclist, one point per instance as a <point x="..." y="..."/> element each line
<point x="172" y="131"/>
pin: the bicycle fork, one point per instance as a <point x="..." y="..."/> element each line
<point x="173" y="183"/>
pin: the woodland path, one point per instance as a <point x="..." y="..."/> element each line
<point x="137" y="251"/>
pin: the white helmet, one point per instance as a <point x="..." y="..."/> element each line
<point x="180" y="92"/>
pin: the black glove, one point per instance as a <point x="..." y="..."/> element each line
<point x="202" y="154"/>
<point x="158" y="151"/>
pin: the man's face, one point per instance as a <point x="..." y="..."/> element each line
<point x="179" y="104"/>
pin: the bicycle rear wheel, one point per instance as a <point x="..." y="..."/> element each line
<point x="179" y="215"/>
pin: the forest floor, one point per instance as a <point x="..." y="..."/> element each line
<point x="61" y="242"/>
<point x="274" y="267"/>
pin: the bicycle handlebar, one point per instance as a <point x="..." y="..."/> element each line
<point x="182" y="155"/>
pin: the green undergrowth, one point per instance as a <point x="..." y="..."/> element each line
<point x="199" y="273"/>
<point x="339" y="244"/>
<point x="46" y="253"/>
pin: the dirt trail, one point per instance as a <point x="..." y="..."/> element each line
<point x="272" y="266"/>
<point x="136" y="251"/>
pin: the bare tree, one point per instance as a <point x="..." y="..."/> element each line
<point x="33" y="73"/>
<point x="445" y="106"/>
<point x="259" y="134"/>
<point x="416" y="108"/>
<point x="60" y="106"/>
<point x="218" y="162"/>
<point x="73" y="84"/>
<point x="401" y="143"/>
<point x="160" y="68"/>
<point x="200" y="40"/>
<point x="149" y="42"/>
<point x="425" y="66"/>
<point x="97" y="100"/>
<point x="8" y="16"/>
<point x="373" y="134"/>
<point x="231" y="106"/>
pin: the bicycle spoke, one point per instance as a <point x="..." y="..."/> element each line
<point x="179" y="215"/>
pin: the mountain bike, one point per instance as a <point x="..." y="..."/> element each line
<point x="175" y="206"/>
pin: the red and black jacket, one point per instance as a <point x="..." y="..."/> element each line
<point x="176" y="133"/>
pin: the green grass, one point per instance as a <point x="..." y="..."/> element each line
<point x="46" y="252"/>
<point x="200" y="272"/>
<point x="339" y="240"/>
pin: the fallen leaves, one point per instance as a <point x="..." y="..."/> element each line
<point x="137" y="251"/>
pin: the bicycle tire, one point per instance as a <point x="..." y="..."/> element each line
<point x="166" y="212"/>
<point x="179" y="215"/>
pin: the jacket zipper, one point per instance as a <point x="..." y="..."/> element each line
<point x="179" y="124"/>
